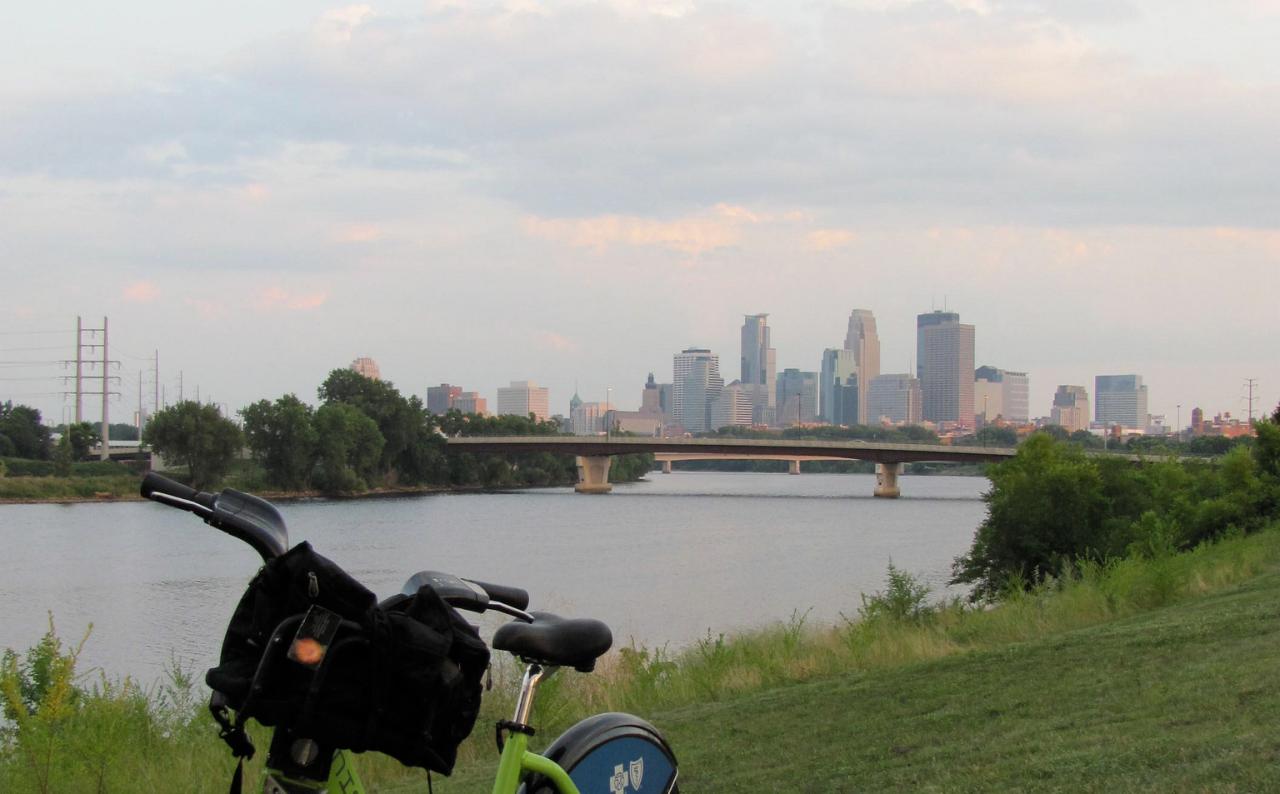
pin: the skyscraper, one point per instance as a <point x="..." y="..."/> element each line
<point x="797" y="397"/>
<point x="1070" y="408"/>
<point x="367" y="367"/>
<point x="759" y="367"/>
<point x="863" y="340"/>
<point x="732" y="406"/>
<point x="1121" y="400"/>
<point x="895" y="397"/>
<point x="524" y="397"/>
<point x="999" y="392"/>
<point x="838" y="395"/>
<point x="440" y="398"/>
<point x="944" y="350"/>
<point x="696" y="385"/>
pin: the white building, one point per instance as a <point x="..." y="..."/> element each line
<point x="524" y="397"/>
<point x="695" y="386"/>
<point x="734" y="406"/>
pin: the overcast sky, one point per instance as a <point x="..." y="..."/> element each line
<point x="571" y="192"/>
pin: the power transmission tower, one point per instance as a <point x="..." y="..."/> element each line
<point x="1250" y="383"/>
<point x="105" y="376"/>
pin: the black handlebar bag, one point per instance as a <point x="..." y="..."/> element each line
<point x="402" y="678"/>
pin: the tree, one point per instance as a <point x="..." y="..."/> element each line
<point x="283" y="438"/>
<point x="403" y="423"/>
<point x="349" y="448"/>
<point x="196" y="436"/>
<point x="82" y="437"/>
<point x="26" y="437"/>
<point x="1046" y="507"/>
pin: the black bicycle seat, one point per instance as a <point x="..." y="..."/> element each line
<point x="555" y="641"/>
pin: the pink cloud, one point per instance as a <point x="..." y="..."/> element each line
<point x="141" y="292"/>
<point x="554" y="341"/>
<point x="277" y="298"/>
<point x="358" y="233"/>
<point x="828" y="239"/>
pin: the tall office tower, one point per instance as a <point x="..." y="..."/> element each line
<point x="441" y="398"/>
<point x="1121" y="400"/>
<point x="895" y="398"/>
<point x="696" y="385"/>
<point x="367" y="367"/>
<point x="797" y="397"/>
<point x="1070" y="408"/>
<point x="1001" y="393"/>
<point x="944" y="347"/>
<point x="759" y="367"/>
<point x="838" y="394"/>
<point x="470" y="402"/>
<point x="863" y="340"/>
<point x="524" y="397"/>
<point x="733" y="406"/>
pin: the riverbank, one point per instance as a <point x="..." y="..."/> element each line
<point x="1150" y="674"/>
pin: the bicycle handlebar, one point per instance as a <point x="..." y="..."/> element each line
<point x="256" y="521"/>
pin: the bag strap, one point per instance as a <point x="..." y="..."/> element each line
<point x="231" y="732"/>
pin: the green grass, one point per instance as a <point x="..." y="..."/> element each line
<point x="20" y="489"/>
<point x="1144" y="675"/>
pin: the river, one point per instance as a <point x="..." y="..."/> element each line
<point x="664" y="561"/>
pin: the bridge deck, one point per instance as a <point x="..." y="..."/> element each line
<point x="591" y="446"/>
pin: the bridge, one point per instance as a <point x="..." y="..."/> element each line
<point x="594" y="453"/>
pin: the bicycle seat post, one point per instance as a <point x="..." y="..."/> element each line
<point x="533" y="676"/>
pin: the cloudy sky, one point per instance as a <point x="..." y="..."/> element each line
<point x="570" y="192"/>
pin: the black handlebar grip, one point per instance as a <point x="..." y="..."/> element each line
<point x="511" y="596"/>
<point x="156" y="483"/>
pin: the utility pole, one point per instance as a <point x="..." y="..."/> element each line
<point x="79" y="369"/>
<point x="105" y="454"/>
<point x="1250" y="383"/>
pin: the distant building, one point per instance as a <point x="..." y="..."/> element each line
<point x="944" y="363"/>
<point x="1001" y="393"/>
<point x="641" y="423"/>
<point x="864" y="343"/>
<point x="586" y="419"/>
<point x="733" y="406"/>
<point x="470" y="402"/>
<point x="759" y="367"/>
<point x="895" y="398"/>
<point x="797" y="398"/>
<point x="839" y="393"/>
<point x="441" y="398"/>
<point x="1121" y="400"/>
<point x="1070" y="408"/>
<point x="367" y="367"/>
<point x="656" y="397"/>
<point x="524" y="397"/>
<point x="697" y="384"/>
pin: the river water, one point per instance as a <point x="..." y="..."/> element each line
<point x="663" y="562"/>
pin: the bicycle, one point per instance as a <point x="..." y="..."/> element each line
<point x="609" y="753"/>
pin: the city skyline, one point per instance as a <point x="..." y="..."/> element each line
<point x="264" y="197"/>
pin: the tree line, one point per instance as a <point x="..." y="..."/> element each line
<point x="364" y="434"/>
<point x="1052" y="506"/>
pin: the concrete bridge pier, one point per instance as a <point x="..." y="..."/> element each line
<point x="593" y="474"/>
<point x="887" y="480"/>
<point x="795" y="467"/>
<point x="666" y="467"/>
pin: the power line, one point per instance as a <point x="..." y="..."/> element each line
<point x="30" y="349"/>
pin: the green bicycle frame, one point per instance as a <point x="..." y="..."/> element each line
<point x="516" y="759"/>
